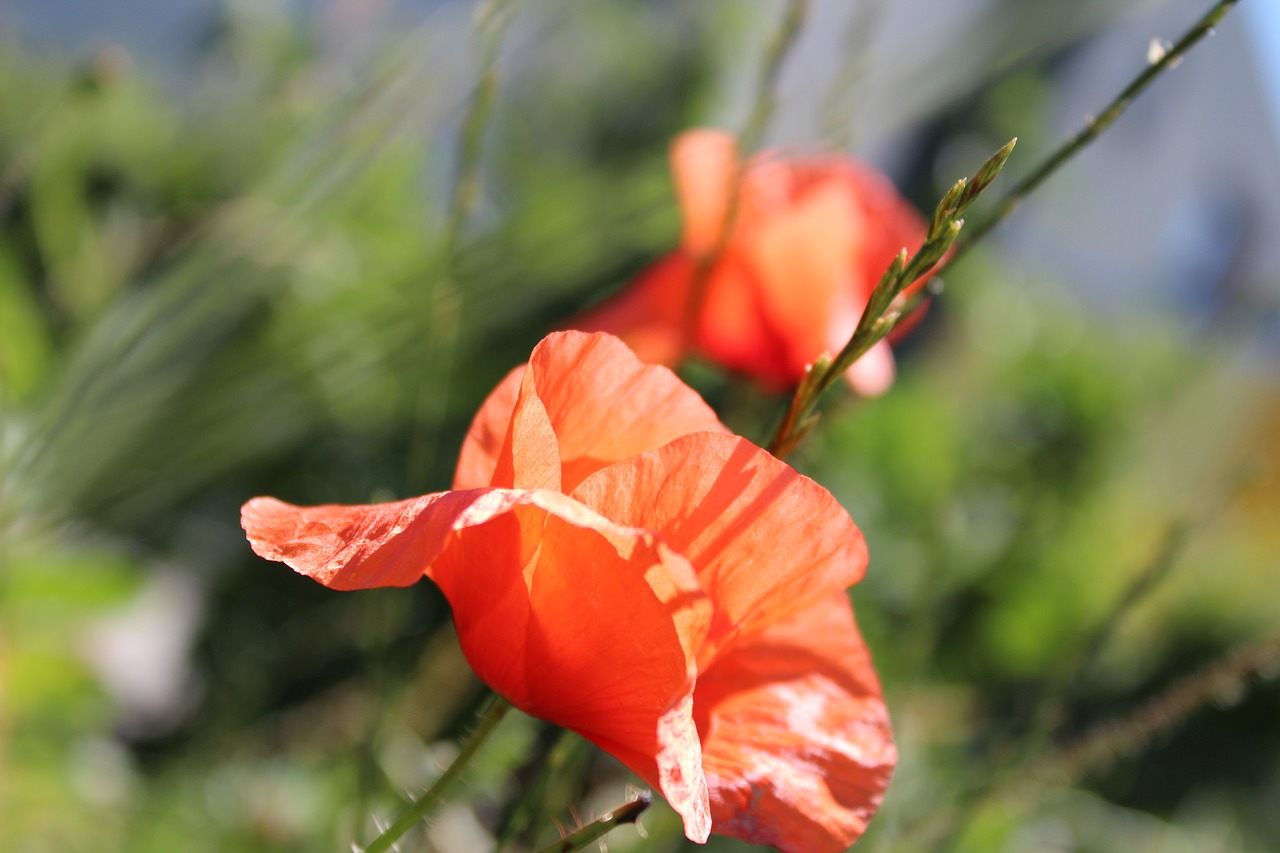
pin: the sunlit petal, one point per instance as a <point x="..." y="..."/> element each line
<point x="802" y="260"/>
<point x="795" y="735"/>
<point x="483" y="444"/>
<point x="765" y="540"/>
<point x="579" y="621"/>
<point x="648" y="315"/>
<point x="604" y="404"/>
<point x="872" y="375"/>
<point x="704" y="164"/>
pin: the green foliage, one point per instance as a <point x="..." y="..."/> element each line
<point x="242" y="291"/>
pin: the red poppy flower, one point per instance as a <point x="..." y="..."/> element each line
<point x="810" y="240"/>
<point x="619" y="564"/>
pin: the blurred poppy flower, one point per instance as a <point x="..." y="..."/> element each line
<point x="809" y="241"/>
<point x="619" y="564"/>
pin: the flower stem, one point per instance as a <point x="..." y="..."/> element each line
<point x="1098" y="748"/>
<point x="775" y="55"/>
<point x="1012" y="790"/>
<point x="594" y="831"/>
<point x="566" y="757"/>
<point x="766" y="98"/>
<point x="943" y="246"/>
<point x="840" y="103"/>
<point x="884" y="306"/>
<point x="493" y="715"/>
<point x="491" y="20"/>
<point x="1093" y="128"/>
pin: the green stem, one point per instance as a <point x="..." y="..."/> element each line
<point x="1053" y="705"/>
<point x="136" y="341"/>
<point x="881" y="314"/>
<point x="380" y="615"/>
<point x="1093" y="128"/>
<point x="775" y="56"/>
<point x="883" y="308"/>
<point x="761" y="111"/>
<point x="1013" y="762"/>
<point x="841" y="100"/>
<point x="491" y="24"/>
<point x="563" y="755"/>
<point x="1100" y="746"/>
<point x="492" y="19"/>
<point x="409" y="818"/>
<point x="598" y="829"/>
<point x="1013" y="789"/>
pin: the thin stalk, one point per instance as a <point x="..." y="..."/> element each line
<point x="378" y="620"/>
<point x="1160" y="715"/>
<point x="492" y="19"/>
<point x="1093" y="128"/>
<point x="775" y="56"/>
<point x="256" y="223"/>
<point x="888" y="304"/>
<point x="882" y="312"/>
<point x="1052" y="707"/>
<point x="762" y="108"/>
<point x="1100" y="746"/>
<point x="6" y="515"/>
<point x="841" y="100"/>
<point x="417" y="810"/>
<point x="598" y="829"/>
<point x="564" y="753"/>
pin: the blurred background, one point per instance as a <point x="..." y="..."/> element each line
<point x="226" y="270"/>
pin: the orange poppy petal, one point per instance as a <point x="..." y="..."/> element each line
<point x="529" y="458"/>
<point x="588" y="401"/>
<point x="648" y="313"/>
<point x="605" y="405"/>
<point x="343" y="547"/>
<point x="765" y="540"/>
<point x="892" y="223"/>
<point x="733" y="327"/>
<point x="596" y="632"/>
<point x="795" y="735"/>
<point x="574" y="619"/>
<point x="704" y="164"/>
<point x="872" y="375"/>
<point x="802" y="258"/>
<point x="480" y="449"/>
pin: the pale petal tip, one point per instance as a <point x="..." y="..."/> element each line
<point x="873" y="374"/>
